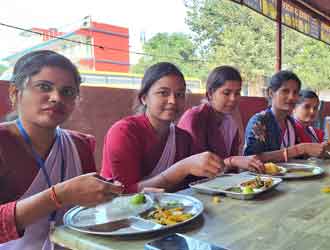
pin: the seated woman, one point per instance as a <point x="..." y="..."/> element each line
<point x="271" y="133"/>
<point x="305" y="114"/>
<point x="40" y="163"/>
<point x="148" y="150"/>
<point x="216" y="125"/>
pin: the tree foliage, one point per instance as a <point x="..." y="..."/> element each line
<point x="177" y="48"/>
<point x="223" y="32"/>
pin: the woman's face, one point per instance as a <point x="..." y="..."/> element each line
<point x="165" y="99"/>
<point x="48" y="98"/>
<point x="307" y="110"/>
<point x="286" y="97"/>
<point x="225" y="98"/>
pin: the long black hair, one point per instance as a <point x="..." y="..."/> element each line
<point x="219" y="76"/>
<point x="32" y="63"/>
<point x="152" y="75"/>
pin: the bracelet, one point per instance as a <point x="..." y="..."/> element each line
<point x="54" y="198"/>
<point x="285" y="154"/>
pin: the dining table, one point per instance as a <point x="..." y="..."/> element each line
<point x="293" y="216"/>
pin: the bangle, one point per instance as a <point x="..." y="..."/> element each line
<point x="54" y="198"/>
<point x="285" y="154"/>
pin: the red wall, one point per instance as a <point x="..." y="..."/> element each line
<point x="116" y="46"/>
<point x="100" y="107"/>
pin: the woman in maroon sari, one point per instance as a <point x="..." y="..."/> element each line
<point x="216" y="125"/>
<point x="148" y="150"/>
<point x="41" y="165"/>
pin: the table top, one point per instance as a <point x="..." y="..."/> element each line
<point x="295" y="215"/>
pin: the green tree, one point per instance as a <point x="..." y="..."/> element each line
<point x="228" y="33"/>
<point x="308" y="58"/>
<point x="177" y="48"/>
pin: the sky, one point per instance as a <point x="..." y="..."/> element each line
<point x="149" y="16"/>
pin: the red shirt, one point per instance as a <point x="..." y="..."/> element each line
<point x="18" y="170"/>
<point x="304" y="136"/>
<point x="201" y="123"/>
<point x="132" y="149"/>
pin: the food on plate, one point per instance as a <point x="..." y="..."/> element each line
<point x="173" y="203"/>
<point x="234" y="189"/>
<point x="325" y="189"/>
<point x="216" y="199"/>
<point x="169" y="216"/>
<point x="272" y="169"/>
<point x="138" y="199"/>
<point x="258" y="183"/>
<point x="247" y="190"/>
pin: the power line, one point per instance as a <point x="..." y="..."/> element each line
<point x="96" y="45"/>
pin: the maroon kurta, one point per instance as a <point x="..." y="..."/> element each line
<point x="18" y="169"/>
<point x="203" y="125"/>
<point x="132" y="149"/>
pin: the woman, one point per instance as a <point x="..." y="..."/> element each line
<point x="41" y="164"/>
<point x="216" y="125"/>
<point x="305" y="114"/>
<point x="148" y="150"/>
<point x="271" y="133"/>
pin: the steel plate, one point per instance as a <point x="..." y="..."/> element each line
<point x="296" y="170"/>
<point x="135" y="224"/>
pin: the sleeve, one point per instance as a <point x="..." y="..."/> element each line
<point x="190" y="123"/>
<point x="85" y="144"/>
<point x="8" y="227"/>
<point x="255" y="136"/>
<point x="122" y="156"/>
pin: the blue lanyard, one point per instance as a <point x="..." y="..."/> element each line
<point x="39" y="160"/>
<point x="279" y="130"/>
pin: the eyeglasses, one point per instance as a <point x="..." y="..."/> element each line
<point x="67" y="92"/>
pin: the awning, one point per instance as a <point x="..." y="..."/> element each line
<point x="310" y="17"/>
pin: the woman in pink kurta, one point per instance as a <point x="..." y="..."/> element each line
<point x="148" y="150"/>
<point x="216" y="125"/>
<point x="40" y="163"/>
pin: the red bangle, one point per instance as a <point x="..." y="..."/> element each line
<point x="54" y="198"/>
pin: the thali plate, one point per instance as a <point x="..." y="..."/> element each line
<point x="136" y="224"/>
<point x="296" y="171"/>
<point x="225" y="183"/>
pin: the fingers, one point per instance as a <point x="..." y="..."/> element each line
<point x="258" y="165"/>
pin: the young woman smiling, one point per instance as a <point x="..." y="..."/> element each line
<point x="148" y="150"/>
<point x="216" y="125"/>
<point x="271" y="134"/>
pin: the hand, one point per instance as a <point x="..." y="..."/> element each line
<point x="205" y="164"/>
<point x="326" y="149"/>
<point x="250" y="163"/>
<point x="87" y="190"/>
<point x="314" y="149"/>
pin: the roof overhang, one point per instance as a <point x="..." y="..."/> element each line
<point x="310" y="17"/>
